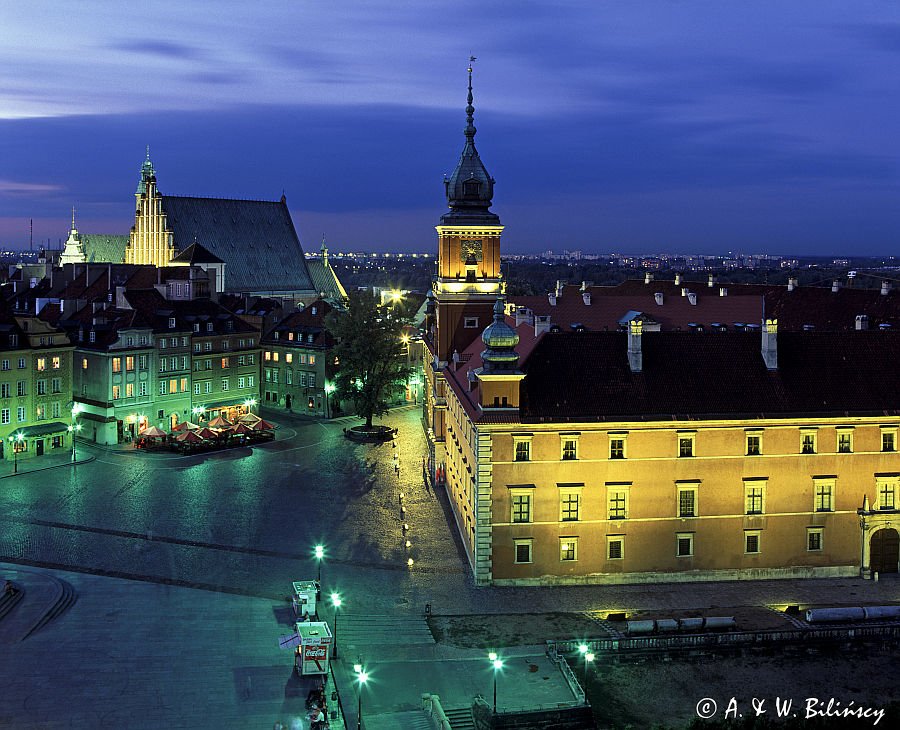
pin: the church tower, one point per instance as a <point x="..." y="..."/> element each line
<point x="150" y="242"/>
<point x="73" y="253"/>
<point x="468" y="277"/>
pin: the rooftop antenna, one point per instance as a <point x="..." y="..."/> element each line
<point x="31" y="234"/>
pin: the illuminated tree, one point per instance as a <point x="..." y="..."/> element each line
<point x="369" y="353"/>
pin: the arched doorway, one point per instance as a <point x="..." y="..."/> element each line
<point x="884" y="550"/>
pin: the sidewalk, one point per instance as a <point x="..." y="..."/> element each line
<point x="31" y="464"/>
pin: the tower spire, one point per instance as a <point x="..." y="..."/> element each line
<point x="73" y="217"/>
<point x="470" y="110"/>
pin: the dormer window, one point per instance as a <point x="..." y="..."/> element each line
<point x="209" y="326"/>
<point x="171" y="323"/>
<point x="471" y="188"/>
<point x="275" y="335"/>
<point x="196" y="326"/>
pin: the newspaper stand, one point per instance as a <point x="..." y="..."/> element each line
<point x="314" y="650"/>
<point x="304" y="598"/>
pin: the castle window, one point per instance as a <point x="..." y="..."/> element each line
<point x="470" y="323"/>
<point x="471" y="188"/>
<point x="814" y="539"/>
<point x="754" y="497"/>
<point x="845" y="440"/>
<point x="808" y="441"/>
<point x="684" y="544"/>
<point x="888" y="438"/>
<point x="523" y="550"/>
<point x="569" y="443"/>
<point x="617" y="445"/>
<point x="568" y="549"/>
<point x="617" y="502"/>
<point x="687" y="500"/>
<point x="521" y="505"/>
<point x="751" y="542"/>
<point x="754" y="443"/>
<point x="887" y="493"/>
<point x="615" y="547"/>
<point x="824" y="495"/>
<point x="686" y="444"/>
<point x="522" y="448"/>
<point x="570" y="504"/>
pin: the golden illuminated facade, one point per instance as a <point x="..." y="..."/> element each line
<point x="151" y="240"/>
<point x="611" y="457"/>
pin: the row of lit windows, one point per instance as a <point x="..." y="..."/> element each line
<point x="304" y="378"/>
<point x="686" y="444"/>
<point x="309" y="337"/>
<point x="224" y="362"/>
<point x="41" y="412"/>
<point x="303" y="357"/>
<point x="684" y="545"/>
<point x="244" y="381"/>
<point x="686" y="502"/>
<point x="22" y="388"/>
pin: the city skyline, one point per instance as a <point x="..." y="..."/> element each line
<point x="708" y="129"/>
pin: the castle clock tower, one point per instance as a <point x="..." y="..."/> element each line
<point x="468" y="277"/>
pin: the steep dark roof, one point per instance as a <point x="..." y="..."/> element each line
<point x="585" y="376"/>
<point x="197" y="254"/>
<point x="102" y="247"/>
<point x="256" y="240"/>
<point x="308" y="321"/>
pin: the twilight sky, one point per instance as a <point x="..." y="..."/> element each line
<point x="610" y="125"/>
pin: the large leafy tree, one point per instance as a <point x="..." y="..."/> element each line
<point x="369" y="353"/>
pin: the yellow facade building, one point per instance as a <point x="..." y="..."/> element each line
<point x="611" y="457"/>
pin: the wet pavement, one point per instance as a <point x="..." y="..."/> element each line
<point x="241" y="525"/>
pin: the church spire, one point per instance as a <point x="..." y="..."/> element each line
<point x="147" y="172"/>
<point x="73" y="218"/>
<point x="324" y="252"/>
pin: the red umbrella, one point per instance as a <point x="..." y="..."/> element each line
<point x="206" y="433"/>
<point x="188" y="437"/>
<point x="241" y="428"/>
<point x="249" y="418"/>
<point x="219" y="422"/>
<point x="185" y="426"/>
<point x="153" y="432"/>
<point x="262" y="425"/>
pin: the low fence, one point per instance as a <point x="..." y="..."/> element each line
<point x="431" y="704"/>
<point x="733" y="639"/>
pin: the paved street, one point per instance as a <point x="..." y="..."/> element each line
<point x="182" y="566"/>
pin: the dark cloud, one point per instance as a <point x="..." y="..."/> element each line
<point x="340" y="162"/>
<point x="161" y="49"/>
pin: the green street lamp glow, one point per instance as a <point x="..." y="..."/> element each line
<point x="362" y="677"/>
<point x="497" y="664"/>
<point x="320" y="553"/>
<point x="16" y="439"/>
<point x="588" y="657"/>
<point x="336" y="602"/>
<point x="329" y="389"/>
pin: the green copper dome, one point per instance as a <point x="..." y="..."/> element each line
<point x="500" y="340"/>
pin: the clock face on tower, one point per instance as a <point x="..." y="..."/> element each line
<point x="470" y="247"/>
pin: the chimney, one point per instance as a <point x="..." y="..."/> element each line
<point x="648" y="277"/>
<point x="522" y="315"/>
<point x="586" y="296"/>
<point x="583" y="286"/>
<point x="885" y="288"/>
<point x="552" y="297"/>
<point x="677" y="279"/>
<point x="684" y="291"/>
<point x="658" y="296"/>
<point x="541" y="324"/>
<point x="723" y="291"/>
<point x="711" y="282"/>
<point x="836" y="285"/>
<point x="792" y="283"/>
<point x="770" y="343"/>
<point x="862" y="322"/>
<point x="692" y="298"/>
<point x="559" y="288"/>
<point x="635" y="358"/>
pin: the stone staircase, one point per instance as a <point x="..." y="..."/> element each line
<point x="46" y="599"/>
<point x="460" y="718"/>
<point x="8" y="601"/>
<point x="65" y="597"/>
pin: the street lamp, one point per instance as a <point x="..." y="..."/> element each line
<point x="249" y="403"/>
<point x="329" y="389"/>
<point x="75" y="427"/>
<point x="320" y="553"/>
<point x="336" y="602"/>
<point x="198" y="411"/>
<point x="582" y="649"/>
<point x="497" y="663"/>
<point x="588" y="657"/>
<point x="16" y="440"/>
<point x="362" y="677"/>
